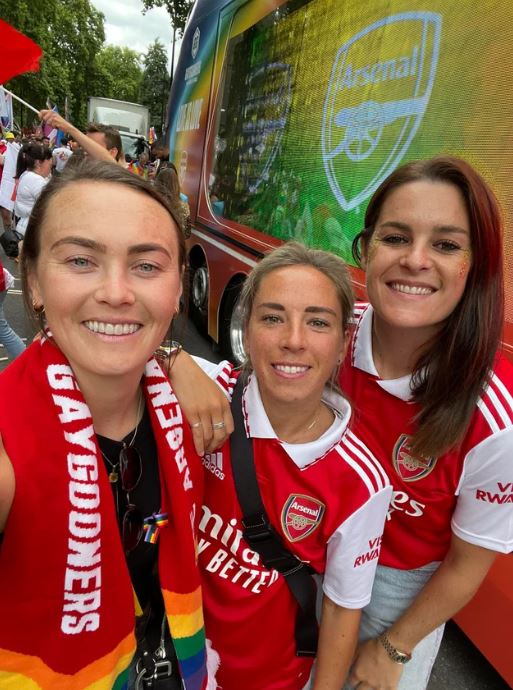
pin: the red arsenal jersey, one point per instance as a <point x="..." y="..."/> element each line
<point x="468" y="492"/>
<point x="327" y="499"/>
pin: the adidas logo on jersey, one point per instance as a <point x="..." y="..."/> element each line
<point x="214" y="463"/>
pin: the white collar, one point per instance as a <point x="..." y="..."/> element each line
<point x="302" y="454"/>
<point x="362" y="358"/>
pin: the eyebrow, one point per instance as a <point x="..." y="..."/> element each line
<point x="101" y="247"/>
<point x="309" y="310"/>
<point x="451" y="229"/>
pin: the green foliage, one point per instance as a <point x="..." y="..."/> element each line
<point x="155" y="83"/>
<point x="178" y="11"/>
<point x="122" y="74"/>
<point x="71" y="34"/>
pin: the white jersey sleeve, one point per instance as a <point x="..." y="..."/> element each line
<point x="484" y="511"/>
<point x="353" y="552"/>
<point x="222" y="373"/>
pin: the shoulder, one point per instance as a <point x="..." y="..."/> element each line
<point x="495" y="404"/>
<point x="361" y="463"/>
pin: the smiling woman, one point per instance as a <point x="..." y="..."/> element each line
<point x="324" y="493"/>
<point x="102" y="266"/>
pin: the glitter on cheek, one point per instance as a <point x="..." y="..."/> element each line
<point x="465" y="264"/>
<point x="372" y="247"/>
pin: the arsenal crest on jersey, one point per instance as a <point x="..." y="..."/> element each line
<point x="408" y="466"/>
<point x="300" y="516"/>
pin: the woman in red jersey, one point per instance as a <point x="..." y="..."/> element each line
<point x="324" y="494"/>
<point x="433" y="398"/>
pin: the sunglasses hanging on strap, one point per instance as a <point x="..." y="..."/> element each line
<point x="263" y="538"/>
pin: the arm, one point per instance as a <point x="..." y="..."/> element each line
<point x="203" y="403"/>
<point x="337" y="641"/>
<point x="6" y="486"/>
<point x="451" y="587"/>
<point x="91" y="147"/>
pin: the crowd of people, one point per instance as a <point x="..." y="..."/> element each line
<point x="337" y="413"/>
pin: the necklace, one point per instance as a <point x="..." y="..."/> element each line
<point x="114" y="467"/>
<point x="312" y="424"/>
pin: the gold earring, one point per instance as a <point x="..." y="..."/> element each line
<point x="38" y="308"/>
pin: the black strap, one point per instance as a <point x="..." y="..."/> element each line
<point x="263" y="538"/>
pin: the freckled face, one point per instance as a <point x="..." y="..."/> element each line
<point x="294" y="337"/>
<point x="108" y="277"/>
<point x="419" y="256"/>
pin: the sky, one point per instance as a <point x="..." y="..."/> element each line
<point x="125" y="25"/>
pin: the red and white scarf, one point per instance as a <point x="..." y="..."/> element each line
<point x="66" y="601"/>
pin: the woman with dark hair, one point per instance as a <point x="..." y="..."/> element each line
<point x="434" y="399"/>
<point x="33" y="170"/>
<point x="100" y="487"/>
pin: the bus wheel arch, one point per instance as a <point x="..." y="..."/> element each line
<point x="199" y="289"/>
<point x="230" y="335"/>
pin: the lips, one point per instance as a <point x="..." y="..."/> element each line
<point x="412" y="289"/>
<point x="108" y="328"/>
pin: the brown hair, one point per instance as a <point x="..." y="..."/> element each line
<point x="296" y="254"/>
<point x="88" y="171"/>
<point x="449" y="377"/>
<point x="111" y="134"/>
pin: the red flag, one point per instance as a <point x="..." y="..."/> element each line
<point x="19" y="53"/>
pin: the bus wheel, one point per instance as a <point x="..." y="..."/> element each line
<point x="199" y="297"/>
<point x="230" y="327"/>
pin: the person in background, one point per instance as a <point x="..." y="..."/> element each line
<point x="101" y="142"/>
<point x="8" y="338"/>
<point x="33" y="170"/>
<point x="95" y="442"/>
<point x="61" y="155"/>
<point x="7" y="183"/>
<point x="167" y="184"/>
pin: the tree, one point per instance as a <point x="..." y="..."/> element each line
<point x="70" y="33"/>
<point x="121" y="70"/>
<point x="178" y="11"/>
<point x="155" y="83"/>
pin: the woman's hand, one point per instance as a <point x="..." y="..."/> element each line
<point x="373" y="669"/>
<point x="206" y="407"/>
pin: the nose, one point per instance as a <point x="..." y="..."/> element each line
<point x="416" y="256"/>
<point x="293" y="336"/>
<point x="115" y="288"/>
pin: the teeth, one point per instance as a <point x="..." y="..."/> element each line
<point x="286" y="369"/>
<point x="412" y="289"/>
<point x="111" y="328"/>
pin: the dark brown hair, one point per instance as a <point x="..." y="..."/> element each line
<point x="111" y="134"/>
<point x="450" y="375"/>
<point x="88" y="171"/>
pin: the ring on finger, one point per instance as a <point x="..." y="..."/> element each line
<point x="196" y="425"/>
<point x="218" y="425"/>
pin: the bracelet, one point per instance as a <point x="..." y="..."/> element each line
<point x="394" y="653"/>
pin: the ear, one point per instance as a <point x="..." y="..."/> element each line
<point x="34" y="290"/>
<point x="364" y="254"/>
<point x="343" y="349"/>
